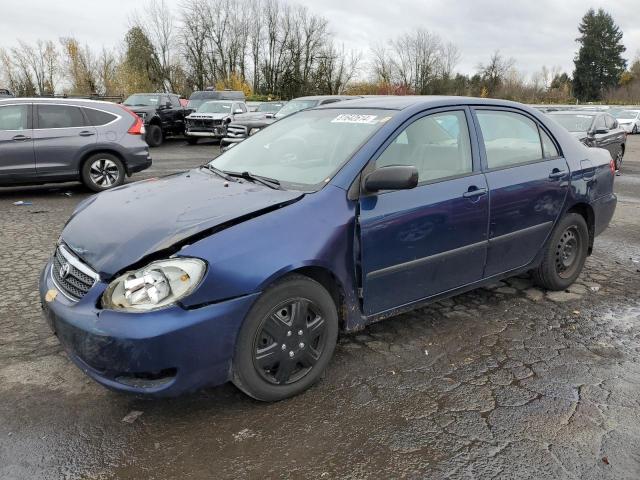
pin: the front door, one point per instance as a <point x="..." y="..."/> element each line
<point x="528" y="184"/>
<point x="17" y="160"/>
<point x="418" y="243"/>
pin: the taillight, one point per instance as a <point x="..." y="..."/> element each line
<point x="138" y="126"/>
<point x="612" y="167"/>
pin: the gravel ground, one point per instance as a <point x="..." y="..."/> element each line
<point x="502" y="382"/>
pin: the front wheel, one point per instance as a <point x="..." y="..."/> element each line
<point x="154" y="135"/>
<point x="286" y="341"/>
<point x="565" y="254"/>
<point x="103" y="171"/>
<point x="635" y="129"/>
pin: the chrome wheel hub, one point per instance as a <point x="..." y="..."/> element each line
<point x="104" y="173"/>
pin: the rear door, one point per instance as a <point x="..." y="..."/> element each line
<point x="420" y="242"/>
<point x="17" y="159"/>
<point x="61" y="136"/>
<point x="528" y="184"/>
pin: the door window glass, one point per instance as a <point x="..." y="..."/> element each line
<point x="610" y="122"/>
<point x="14" y="117"/>
<point x="175" y="101"/>
<point x="509" y="138"/>
<point x="59" y="116"/>
<point x="600" y="123"/>
<point x="548" y="147"/>
<point x="437" y="145"/>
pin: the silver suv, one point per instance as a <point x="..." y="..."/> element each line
<point x="60" y="140"/>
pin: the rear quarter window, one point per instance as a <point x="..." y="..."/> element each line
<point x="98" y="118"/>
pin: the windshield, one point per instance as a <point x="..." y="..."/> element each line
<point x="215" y="107"/>
<point x="295" y="106"/>
<point x="269" y="107"/>
<point x="304" y="151"/>
<point x="142" y="100"/>
<point x="625" y="114"/>
<point x="574" y="123"/>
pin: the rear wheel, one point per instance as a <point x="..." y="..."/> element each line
<point x="565" y="254"/>
<point x="618" y="159"/>
<point x="286" y="341"/>
<point x="103" y="171"/>
<point x="154" y="135"/>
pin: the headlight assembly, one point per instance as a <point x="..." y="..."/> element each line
<point x="157" y="285"/>
<point x="253" y="130"/>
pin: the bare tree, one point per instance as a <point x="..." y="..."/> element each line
<point x="494" y="72"/>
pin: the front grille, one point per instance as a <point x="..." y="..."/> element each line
<point x="70" y="275"/>
<point x="203" y="123"/>
<point x="236" y="131"/>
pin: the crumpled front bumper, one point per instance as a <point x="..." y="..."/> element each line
<point x="162" y="353"/>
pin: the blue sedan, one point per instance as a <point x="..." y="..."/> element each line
<point x="247" y="268"/>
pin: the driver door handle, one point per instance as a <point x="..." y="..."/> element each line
<point x="474" y="192"/>
<point x="20" y="138"/>
<point x="557" y="173"/>
<point x="86" y="133"/>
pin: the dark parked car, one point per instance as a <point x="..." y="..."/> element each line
<point x="61" y="140"/>
<point x="245" y="269"/>
<point x="5" y="93"/>
<point x="211" y="119"/>
<point x="238" y="130"/>
<point x="163" y="115"/>
<point x="595" y="129"/>
<point x="198" y="98"/>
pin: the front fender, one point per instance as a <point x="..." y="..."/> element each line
<point x="317" y="231"/>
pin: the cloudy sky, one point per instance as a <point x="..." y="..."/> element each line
<point x="534" y="32"/>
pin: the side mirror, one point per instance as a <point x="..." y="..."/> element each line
<point x="393" y="177"/>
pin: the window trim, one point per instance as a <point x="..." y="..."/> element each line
<point x="481" y="145"/>
<point x="473" y="141"/>
<point x="29" y="115"/>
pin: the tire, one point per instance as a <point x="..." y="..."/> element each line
<point x="192" y="140"/>
<point x="565" y="254"/>
<point x="154" y="136"/>
<point x="102" y="171"/>
<point x="618" y="160"/>
<point x="635" y="130"/>
<point x="279" y="352"/>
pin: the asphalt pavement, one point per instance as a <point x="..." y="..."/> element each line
<point x="507" y="381"/>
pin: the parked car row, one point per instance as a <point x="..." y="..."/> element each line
<point x="594" y="129"/>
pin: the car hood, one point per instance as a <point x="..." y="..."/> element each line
<point x="146" y="110"/>
<point x="252" y="116"/>
<point x="208" y="116"/>
<point x="118" y="228"/>
<point x="254" y="122"/>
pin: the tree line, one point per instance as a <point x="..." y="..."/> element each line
<point x="272" y="48"/>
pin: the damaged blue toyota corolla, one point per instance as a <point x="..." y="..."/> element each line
<point x="247" y="268"/>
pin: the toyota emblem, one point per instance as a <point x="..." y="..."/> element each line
<point x="64" y="271"/>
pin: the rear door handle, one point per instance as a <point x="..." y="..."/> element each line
<point x="20" y="138"/>
<point x="474" y="192"/>
<point x="556" y="173"/>
<point x="86" y="133"/>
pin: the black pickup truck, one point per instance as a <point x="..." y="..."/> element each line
<point x="163" y="115"/>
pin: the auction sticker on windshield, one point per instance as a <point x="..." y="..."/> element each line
<point x="355" y="118"/>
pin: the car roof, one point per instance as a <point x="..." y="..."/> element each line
<point x="60" y="100"/>
<point x="326" y="97"/>
<point x="392" y="102"/>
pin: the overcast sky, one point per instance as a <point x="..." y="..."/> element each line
<point x="534" y="32"/>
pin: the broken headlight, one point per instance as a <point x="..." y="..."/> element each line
<point x="253" y="131"/>
<point x="157" y="285"/>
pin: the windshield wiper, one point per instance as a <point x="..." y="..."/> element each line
<point x="218" y="172"/>
<point x="266" y="181"/>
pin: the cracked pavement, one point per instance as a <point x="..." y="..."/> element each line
<point x="503" y="382"/>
